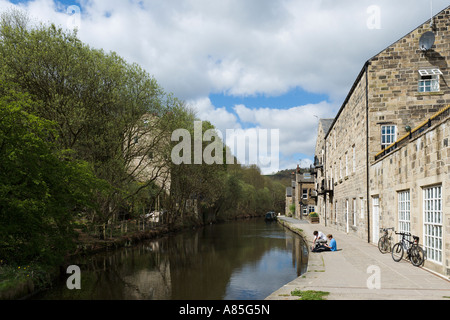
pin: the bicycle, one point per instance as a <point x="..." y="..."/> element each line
<point x="384" y="244"/>
<point x="414" y="252"/>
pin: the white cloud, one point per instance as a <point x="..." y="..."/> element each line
<point x="194" y="47"/>
<point x="246" y="47"/>
<point x="297" y="126"/>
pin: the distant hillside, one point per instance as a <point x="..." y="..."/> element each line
<point x="285" y="176"/>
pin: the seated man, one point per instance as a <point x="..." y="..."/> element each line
<point x="333" y="245"/>
<point x="319" y="239"/>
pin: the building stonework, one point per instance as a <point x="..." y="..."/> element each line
<point x="289" y="201"/>
<point x="366" y="179"/>
<point x="305" y="199"/>
<point x="420" y="165"/>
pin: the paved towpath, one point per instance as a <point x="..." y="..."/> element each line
<point x="358" y="271"/>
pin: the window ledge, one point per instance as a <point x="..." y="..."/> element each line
<point x="438" y="93"/>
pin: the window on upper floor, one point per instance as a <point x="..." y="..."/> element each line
<point x="305" y="194"/>
<point x="354" y="158"/>
<point x="346" y="164"/>
<point x="388" y="135"/>
<point x="429" y="80"/>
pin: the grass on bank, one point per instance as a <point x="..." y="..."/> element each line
<point x="310" y="294"/>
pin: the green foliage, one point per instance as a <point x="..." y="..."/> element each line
<point x="292" y="208"/>
<point x="84" y="134"/>
<point x="39" y="186"/>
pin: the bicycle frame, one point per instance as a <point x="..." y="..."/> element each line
<point x="407" y="244"/>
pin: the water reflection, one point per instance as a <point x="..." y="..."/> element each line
<point x="233" y="261"/>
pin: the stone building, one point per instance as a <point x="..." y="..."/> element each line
<point x="362" y="174"/>
<point x="324" y="187"/>
<point x="409" y="186"/>
<point x="288" y="201"/>
<point x="303" y="194"/>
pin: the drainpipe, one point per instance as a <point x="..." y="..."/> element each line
<point x="367" y="150"/>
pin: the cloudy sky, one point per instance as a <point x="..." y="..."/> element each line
<point x="245" y="64"/>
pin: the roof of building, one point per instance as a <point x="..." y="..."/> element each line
<point x="326" y="124"/>
<point x="305" y="177"/>
<point x="288" y="192"/>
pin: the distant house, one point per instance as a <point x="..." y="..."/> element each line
<point x="384" y="161"/>
<point x="144" y="153"/>
<point x="288" y="200"/>
<point x="305" y="194"/>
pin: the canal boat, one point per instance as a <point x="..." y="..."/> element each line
<point x="271" y="216"/>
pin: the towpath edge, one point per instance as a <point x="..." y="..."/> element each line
<point x="358" y="271"/>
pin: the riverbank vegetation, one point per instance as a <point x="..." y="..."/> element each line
<point x="85" y="141"/>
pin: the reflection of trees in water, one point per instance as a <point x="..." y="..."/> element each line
<point x="197" y="257"/>
<point x="299" y="252"/>
<point x="192" y="265"/>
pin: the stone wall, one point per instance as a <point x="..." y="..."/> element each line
<point x="423" y="162"/>
<point x="393" y="82"/>
<point x="345" y="167"/>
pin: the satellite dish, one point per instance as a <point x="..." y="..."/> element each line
<point x="427" y="41"/>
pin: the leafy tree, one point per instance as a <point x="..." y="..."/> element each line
<point x="98" y="102"/>
<point x="41" y="187"/>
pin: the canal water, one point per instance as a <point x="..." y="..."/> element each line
<point x="243" y="260"/>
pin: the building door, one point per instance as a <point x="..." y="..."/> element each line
<point x="376" y="219"/>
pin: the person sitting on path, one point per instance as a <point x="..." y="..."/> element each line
<point x="333" y="245"/>
<point x="319" y="238"/>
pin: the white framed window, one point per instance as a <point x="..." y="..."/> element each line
<point x="347" y="220"/>
<point x="305" y="194"/>
<point x="429" y="80"/>
<point x="331" y="173"/>
<point x="361" y="200"/>
<point x="335" y="211"/>
<point x="354" y="211"/>
<point x="354" y="158"/>
<point x="433" y="216"/>
<point x="388" y="135"/>
<point x="311" y="209"/>
<point x="305" y="211"/>
<point x="335" y="173"/>
<point x="346" y="164"/>
<point x="404" y="213"/>
<point x="429" y="83"/>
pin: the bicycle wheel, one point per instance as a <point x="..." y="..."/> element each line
<point x="417" y="256"/>
<point x="383" y="245"/>
<point x="397" y="252"/>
